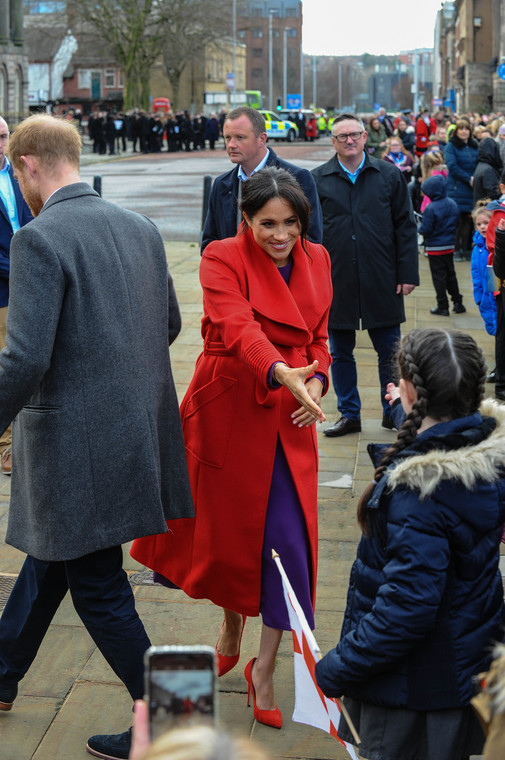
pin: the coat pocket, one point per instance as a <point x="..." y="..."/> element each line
<point x="208" y="420"/>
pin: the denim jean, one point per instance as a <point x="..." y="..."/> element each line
<point x="103" y="599"/>
<point x="343" y="366"/>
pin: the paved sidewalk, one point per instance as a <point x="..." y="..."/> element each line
<point x="70" y="693"/>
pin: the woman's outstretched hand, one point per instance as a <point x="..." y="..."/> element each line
<point x="306" y="392"/>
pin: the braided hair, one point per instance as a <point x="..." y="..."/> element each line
<point x="448" y="371"/>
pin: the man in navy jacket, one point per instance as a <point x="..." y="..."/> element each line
<point x="245" y="138"/>
<point x="14" y="213"/>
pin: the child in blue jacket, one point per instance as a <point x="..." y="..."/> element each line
<point x="484" y="298"/>
<point x="438" y="227"/>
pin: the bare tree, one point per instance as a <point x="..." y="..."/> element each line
<point x="132" y="29"/>
<point x="188" y="27"/>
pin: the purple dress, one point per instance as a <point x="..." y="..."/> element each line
<point x="286" y="532"/>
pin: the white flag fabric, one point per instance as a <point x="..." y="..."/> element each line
<point x="311" y="705"/>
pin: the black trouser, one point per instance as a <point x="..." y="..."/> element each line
<point x="499" y="347"/>
<point x="103" y="599"/>
<point x="444" y="279"/>
<point x="464" y="233"/>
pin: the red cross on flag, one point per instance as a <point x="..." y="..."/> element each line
<point x="311" y="705"/>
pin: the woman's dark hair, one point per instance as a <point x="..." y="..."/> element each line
<point x="448" y="371"/>
<point x="272" y="182"/>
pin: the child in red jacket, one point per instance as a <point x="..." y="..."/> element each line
<point x="497" y="209"/>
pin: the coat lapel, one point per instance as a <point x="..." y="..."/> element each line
<point x="268" y="293"/>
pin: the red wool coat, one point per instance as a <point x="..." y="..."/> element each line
<point x="231" y="419"/>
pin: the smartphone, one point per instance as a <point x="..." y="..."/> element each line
<point x="180" y="686"/>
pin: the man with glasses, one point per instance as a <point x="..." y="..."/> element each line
<point x="370" y="233"/>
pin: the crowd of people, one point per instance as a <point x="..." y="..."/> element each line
<point x="294" y="264"/>
<point x="113" y="133"/>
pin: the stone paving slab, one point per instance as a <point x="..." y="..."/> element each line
<point x="71" y="693"/>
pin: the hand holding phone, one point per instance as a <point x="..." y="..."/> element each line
<point x="180" y="687"/>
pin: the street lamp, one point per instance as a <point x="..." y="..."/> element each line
<point x="234" y="53"/>
<point x="285" y="78"/>
<point x="270" y="77"/>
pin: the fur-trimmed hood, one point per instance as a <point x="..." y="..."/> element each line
<point x="484" y="462"/>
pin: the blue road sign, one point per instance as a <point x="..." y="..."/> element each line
<point x="501" y="70"/>
<point x="293" y="101"/>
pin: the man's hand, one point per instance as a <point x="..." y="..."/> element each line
<point x="294" y="379"/>
<point x="404" y="289"/>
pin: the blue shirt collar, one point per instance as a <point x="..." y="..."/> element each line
<point x="243" y="176"/>
<point x="353" y="175"/>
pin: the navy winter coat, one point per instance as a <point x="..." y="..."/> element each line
<point x="425" y="601"/>
<point x="441" y="217"/>
<point x="461" y="160"/>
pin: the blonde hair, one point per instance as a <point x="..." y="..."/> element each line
<point x="480" y="208"/>
<point x="203" y="743"/>
<point x="394" y="138"/>
<point x="431" y="160"/>
<point x="50" y="138"/>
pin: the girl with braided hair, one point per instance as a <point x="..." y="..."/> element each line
<point x="425" y="601"/>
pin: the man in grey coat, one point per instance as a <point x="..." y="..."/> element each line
<point x="97" y="437"/>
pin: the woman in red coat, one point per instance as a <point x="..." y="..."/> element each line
<point x="248" y="419"/>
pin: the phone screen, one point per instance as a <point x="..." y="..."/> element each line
<point x="180" y="687"/>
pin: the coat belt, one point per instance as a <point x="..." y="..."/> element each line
<point x="216" y="348"/>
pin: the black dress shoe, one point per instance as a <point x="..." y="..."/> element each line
<point x="343" y="426"/>
<point x="440" y="312"/>
<point x="458" y="308"/>
<point x="491" y="378"/>
<point x="499" y="395"/>
<point x="8" y="694"/>
<point x="110" y="746"/>
<point x="387" y="422"/>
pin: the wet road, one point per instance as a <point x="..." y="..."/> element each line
<point x="169" y="187"/>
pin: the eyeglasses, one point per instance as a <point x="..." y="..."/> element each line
<point x="342" y="138"/>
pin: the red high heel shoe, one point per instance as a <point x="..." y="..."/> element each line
<point x="267" y="717"/>
<point x="225" y="663"/>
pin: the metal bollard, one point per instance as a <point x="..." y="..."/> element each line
<point x="97" y="184"/>
<point x="207" y="185"/>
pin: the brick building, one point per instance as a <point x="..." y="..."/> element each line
<point x="277" y="25"/>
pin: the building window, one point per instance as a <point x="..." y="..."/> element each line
<point x="257" y="12"/>
<point x="83" y="79"/>
<point x="110" y="78"/>
<point x="257" y="32"/>
<point x="241" y="34"/>
<point x="120" y="78"/>
<point x="257" y="52"/>
<point x="49" y="6"/>
<point x="257" y="73"/>
<point x="291" y="12"/>
<point x="291" y="33"/>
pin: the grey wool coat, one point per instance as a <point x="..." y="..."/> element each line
<point x="97" y="441"/>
